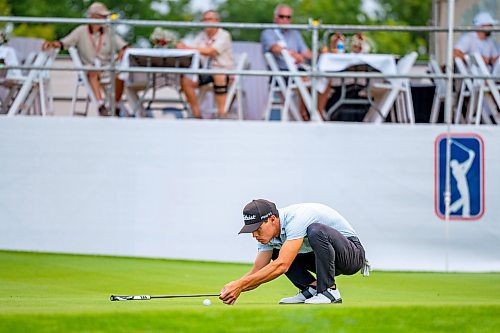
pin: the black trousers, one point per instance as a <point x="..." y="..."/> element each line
<point x="333" y="254"/>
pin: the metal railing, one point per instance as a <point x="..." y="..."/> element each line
<point x="313" y="26"/>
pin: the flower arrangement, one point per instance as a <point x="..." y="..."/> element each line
<point x="361" y="44"/>
<point x="163" y="38"/>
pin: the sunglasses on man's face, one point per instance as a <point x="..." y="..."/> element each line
<point x="285" y="16"/>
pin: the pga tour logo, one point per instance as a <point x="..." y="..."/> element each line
<point x="466" y="176"/>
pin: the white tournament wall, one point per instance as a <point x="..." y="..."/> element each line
<point x="175" y="189"/>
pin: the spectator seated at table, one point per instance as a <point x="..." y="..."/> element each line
<point x="276" y="40"/>
<point x="479" y="41"/>
<point x="214" y="45"/>
<point x="94" y="45"/>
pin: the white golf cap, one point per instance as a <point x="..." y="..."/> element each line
<point x="484" y="18"/>
<point x="98" y="8"/>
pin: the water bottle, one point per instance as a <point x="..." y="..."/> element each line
<point x="340" y="47"/>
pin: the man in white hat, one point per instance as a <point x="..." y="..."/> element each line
<point x="479" y="41"/>
<point x="93" y="42"/>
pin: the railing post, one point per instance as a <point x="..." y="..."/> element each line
<point x="314" y="25"/>
<point x="447" y="114"/>
<point x="111" y="22"/>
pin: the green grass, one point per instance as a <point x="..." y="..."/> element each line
<point x="68" y="293"/>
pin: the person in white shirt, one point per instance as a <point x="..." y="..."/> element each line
<point x="478" y="41"/>
<point x="214" y="45"/>
<point x="295" y="241"/>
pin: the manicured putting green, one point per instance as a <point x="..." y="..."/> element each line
<point x="69" y="293"/>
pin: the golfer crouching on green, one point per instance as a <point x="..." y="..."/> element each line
<point x="295" y="241"/>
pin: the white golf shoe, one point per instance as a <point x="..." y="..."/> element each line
<point x="328" y="296"/>
<point x="300" y="297"/>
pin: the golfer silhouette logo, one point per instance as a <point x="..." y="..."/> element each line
<point x="466" y="177"/>
<point x="459" y="172"/>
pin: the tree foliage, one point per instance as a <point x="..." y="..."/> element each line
<point x="333" y="12"/>
<point x="247" y="11"/>
<point x="4" y="11"/>
<point x="393" y="12"/>
<point x="176" y="10"/>
<point x="411" y="12"/>
<point x="408" y="12"/>
<point x="329" y="12"/>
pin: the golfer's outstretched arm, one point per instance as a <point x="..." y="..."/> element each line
<point x="262" y="260"/>
<point x="288" y="252"/>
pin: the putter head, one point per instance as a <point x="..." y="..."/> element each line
<point x="129" y="298"/>
<point x="120" y="298"/>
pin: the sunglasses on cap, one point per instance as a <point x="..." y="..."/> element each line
<point x="285" y="16"/>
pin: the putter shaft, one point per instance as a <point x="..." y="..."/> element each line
<point x="149" y="297"/>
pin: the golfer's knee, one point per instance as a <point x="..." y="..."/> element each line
<point x="315" y="231"/>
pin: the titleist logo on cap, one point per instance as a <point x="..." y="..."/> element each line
<point x="249" y="217"/>
<point x="257" y="212"/>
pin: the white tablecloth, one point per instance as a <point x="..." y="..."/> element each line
<point x="9" y="55"/>
<point x="158" y="53"/>
<point x="336" y="62"/>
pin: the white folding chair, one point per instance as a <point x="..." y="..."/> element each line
<point x="278" y="88"/>
<point x="467" y="90"/>
<point x="45" y="84"/>
<point x="81" y="81"/>
<point x="10" y="80"/>
<point x="235" y="88"/>
<point x="297" y="82"/>
<point x="488" y="86"/>
<point x="398" y="94"/>
<point x="34" y="86"/>
<point x="26" y="48"/>
<point x="440" y="93"/>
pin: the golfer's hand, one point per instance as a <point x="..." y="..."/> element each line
<point x="230" y="293"/>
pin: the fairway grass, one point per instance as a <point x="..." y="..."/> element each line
<point x="70" y="293"/>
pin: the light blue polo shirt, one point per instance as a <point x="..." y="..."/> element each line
<point x="288" y="39"/>
<point x="295" y="219"/>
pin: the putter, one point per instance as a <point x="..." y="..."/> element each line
<point x="149" y="297"/>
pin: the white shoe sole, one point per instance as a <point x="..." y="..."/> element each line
<point x="337" y="301"/>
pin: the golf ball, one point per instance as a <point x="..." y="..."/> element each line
<point x="206" y="302"/>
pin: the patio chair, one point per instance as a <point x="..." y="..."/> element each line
<point x="235" y="88"/>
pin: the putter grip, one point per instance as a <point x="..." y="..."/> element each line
<point x="129" y="298"/>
